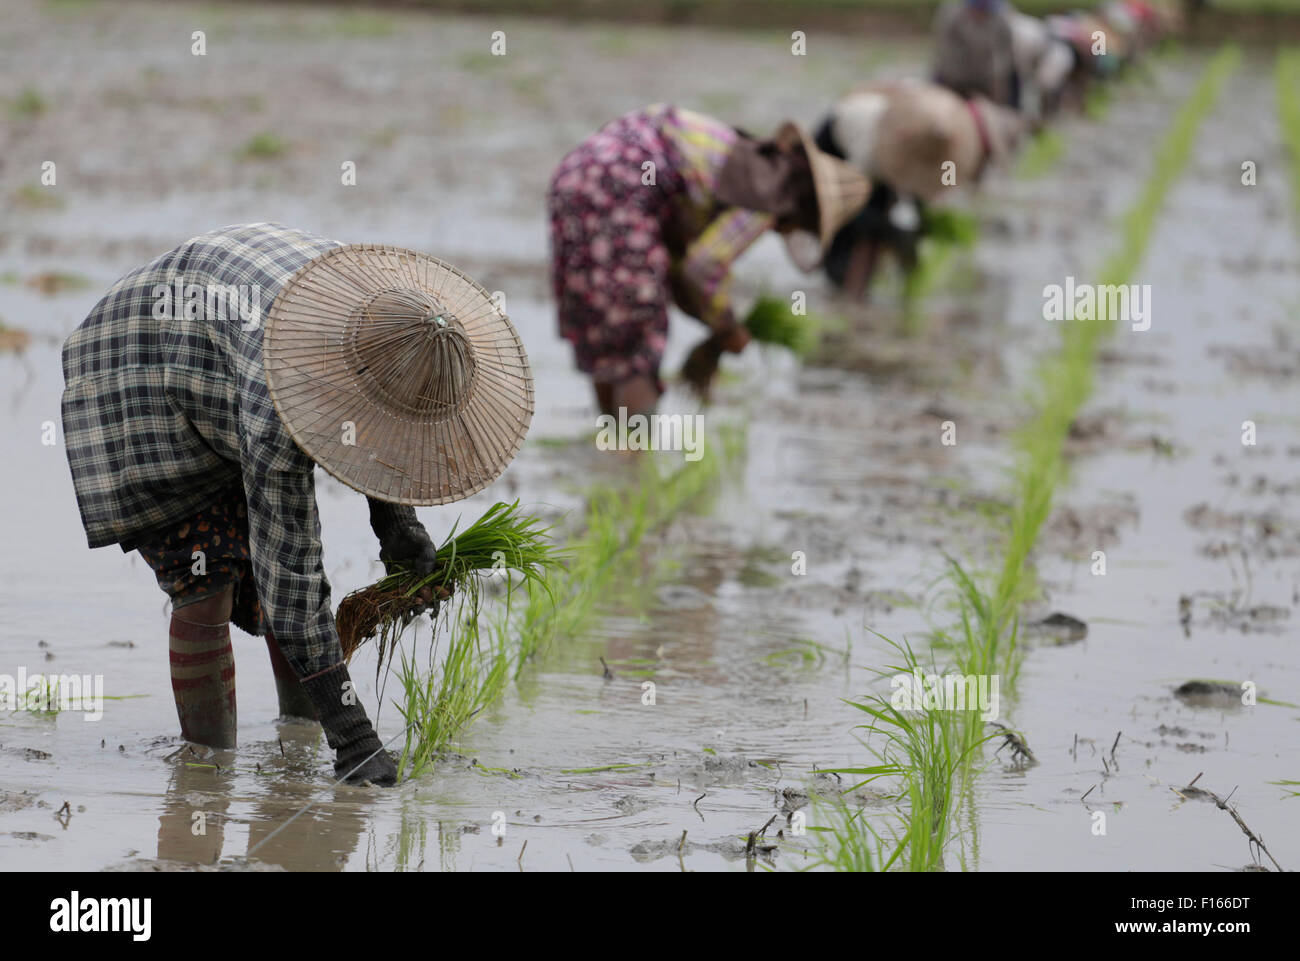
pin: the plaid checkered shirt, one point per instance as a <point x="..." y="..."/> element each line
<point x="165" y="404"/>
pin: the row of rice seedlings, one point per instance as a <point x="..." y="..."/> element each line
<point x="1287" y="75"/>
<point x="494" y="641"/>
<point x="944" y="231"/>
<point x="921" y="749"/>
<point x="1042" y="154"/>
<point x="616" y="522"/>
<point x="932" y="753"/>
<point x="1065" y="383"/>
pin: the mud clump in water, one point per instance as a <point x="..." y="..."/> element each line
<point x="26" y="753"/>
<point x="731" y="848"/>
<point x="162" y="866"/>
<point x="1058" y="628"/>
<point x="630" y="804"/>
<point x="1215" y="694"/>
<point x="10" y="803"/>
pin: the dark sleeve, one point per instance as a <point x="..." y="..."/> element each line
<point x="284" y="536"/>
<point x="385" y="517"/>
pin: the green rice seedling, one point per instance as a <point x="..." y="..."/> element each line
<point x="1043" y="153"/>
<point x="944" y="225"/>
<point x="52" y="282"/>
<point x="477" y="61"/>
<point x="37" y="198"/>
<point x="43" y="699"/>
<point x="356" y="23"/>
<point x="27" y="105"/>
<point x="925" y="750"/>
<point x="932" y="263"/>
<point x="437" y="703"/>
<point x="944" y="231"/>
<point x="264" y="146"/>
<point x="772" y="321"/>
<point x="1097" y="101"/>
<point x="848" y="842"/>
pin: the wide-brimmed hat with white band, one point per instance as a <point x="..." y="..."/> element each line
<point x="398" y="374"/>
<point x="841" y="193"/>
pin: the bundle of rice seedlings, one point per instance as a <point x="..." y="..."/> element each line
<point x="502" y="538"/>
<point x="946" y="226"/>
<point x="771" y="321"/>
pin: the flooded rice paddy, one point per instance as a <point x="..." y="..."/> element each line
<point x="842" y="461"/>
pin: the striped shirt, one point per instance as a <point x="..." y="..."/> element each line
<point x="719" y="237"/>
<point x="165" y="404"/>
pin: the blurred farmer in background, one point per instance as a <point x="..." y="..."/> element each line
<point x="903" y="136"/>
<point x="1044" y="63"/>
<point x="193" y="429"/>
<point x="974" y="52"/>
<point x="656" y="206"/>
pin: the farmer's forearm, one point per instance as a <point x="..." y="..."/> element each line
<point x="704" y="272"/>
<point x="385" y="517"/>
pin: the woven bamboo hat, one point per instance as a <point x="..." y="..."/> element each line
<point x="923" y="127"/>
<point x="397" y="374"/>
<point x="841" y="193"/>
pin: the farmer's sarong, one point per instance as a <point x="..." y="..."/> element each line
<point x="635" y="220"/>
<point x="610" y="261"/>
<point x="220" y="532"/>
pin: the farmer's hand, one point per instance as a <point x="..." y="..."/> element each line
<point x="735" y="338"/>
<point x="405" y="545"/>
<point x="409" y="548"/>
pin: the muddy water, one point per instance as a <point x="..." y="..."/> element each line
<point x="842" y="462"/>
<point x="1214" y="522"/>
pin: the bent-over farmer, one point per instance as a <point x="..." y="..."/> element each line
<point x="975" y="52"/>
<point x="656" y="206"/>
<point x="194" y="420"/>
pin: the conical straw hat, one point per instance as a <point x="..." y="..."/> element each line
<point x="397" y="374"/>
<point x="841" y="193"/>
<point x="925" y="126"/>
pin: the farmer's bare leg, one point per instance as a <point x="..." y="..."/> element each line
<point x="203" y="670"/>
<point x="639" y="394"/>
<point x="294" y="701"/>
<point x="861" y="268"/>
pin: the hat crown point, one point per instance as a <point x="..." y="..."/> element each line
<point x="410" y="355"/>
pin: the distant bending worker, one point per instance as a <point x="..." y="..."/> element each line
<point x="974" y="51"/>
